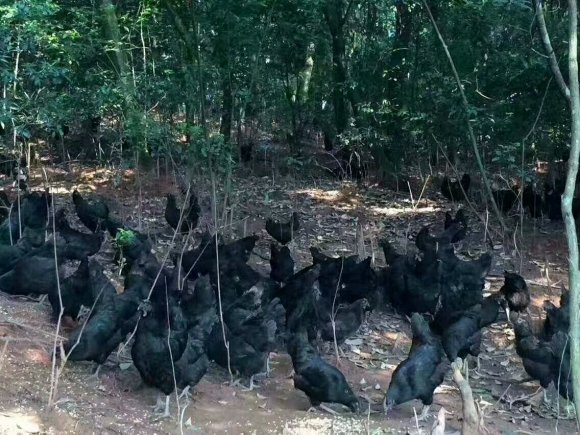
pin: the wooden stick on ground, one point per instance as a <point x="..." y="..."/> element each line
<point x="471" y="420"/>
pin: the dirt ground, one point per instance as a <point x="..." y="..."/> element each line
<point x="339" y="218"/>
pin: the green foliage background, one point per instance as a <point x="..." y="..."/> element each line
<point x="156" y="71"/>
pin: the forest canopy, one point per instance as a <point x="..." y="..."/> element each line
<point x="194" y="77"/>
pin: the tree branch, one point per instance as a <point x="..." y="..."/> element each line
<point x="471" y="418"/>
<point x="550" y="51"/>
<point x="469" y="126"/>
<point x="567" y="198"/>
<point x="346" y="13"/>
<point x="181" y="29"/>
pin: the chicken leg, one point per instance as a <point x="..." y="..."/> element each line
<point x="424" y="413"/>
<point x="162" y="407"/>
<point x="251" y="386"/>
<point x="547" y="400"/>
<point x="323" y="408"/>
<point x="95" y="375"/>
<point x="185" y="393"/>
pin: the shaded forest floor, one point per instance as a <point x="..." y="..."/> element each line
<point x="337" y="217"/>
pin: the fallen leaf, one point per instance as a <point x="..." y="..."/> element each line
<point x="354" y="341"/>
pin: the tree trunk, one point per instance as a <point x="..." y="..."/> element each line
<point x="190" y="41"/>
<point x="336" y="17"/>
<point x="111" y="26"/>
<point x="339" y="78"/>
<point x="227" y="108"/>
<point x="399" y="68"/>
<point x="571" y="235"/>
<point x="553" y="61"/>
<point x="305" y="76"/>
<point x="398" y="65"/>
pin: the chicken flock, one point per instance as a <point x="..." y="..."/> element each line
<point x="538" y="204"/>
<point x="213" y="306"/>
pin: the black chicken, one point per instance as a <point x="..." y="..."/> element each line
<point x="344" y="277"/>
<point x="190" y="216"/>
<point x="561" y="366"/>
<point x="320" y="381"/>
<point x="11" y="254"/>
<point x="283" y="232"/>
<point x="462" y="285"/>
<point x="536" y="354"/>
<point x="235" y="278"/>
<point x="463" y="337"/>
<point x="453" y="189"/>
<point x="79" y="245"/>
<point x="557" y="318"/>
<point x="112" y="317"/>
<point x="505" y="199"/>
<point x="93" y="215"/>
<point x="533" y="202"/>
<point x="28" y="211"/>
<point x="423" y="370"/>
<point x="130" y="247"/>
<point x="318" y="257"/>
<point x="74" y="293"/>
<point x="553" y="197"/>
<point x="32" y="274"/>
<point x="553" y="201"/>
<point x="299" y="290"/>
<point x="246" y="151"/>
<point x="250" y="330"/>
<point x="515" y="292"/>
<point x="160" y="340"/>
<point x="199" y="310"/>
<point x="96" y="338"/>
<point x="202" y="260"/>
<point x="461" y="220"/>
<point x="281" y="263"/>
<point x="347" y="319"/>
<point x="409" y="285"/>
<point x="4" y="205"/>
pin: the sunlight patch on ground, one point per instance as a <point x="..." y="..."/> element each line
<point x="392" y="336"/>
<point x="344" y="199"/>
<point x="59" y="190"/>
<point x="538" y="300"/>
<point x="16" y="422"/>
<point x="321" y="195"/>
<point x="318" y="425"/>
<point x="38" y="356"/>
<point x="349" y="198"/>
<point x="104" y="175"/>
<point x="396" y="211"/>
